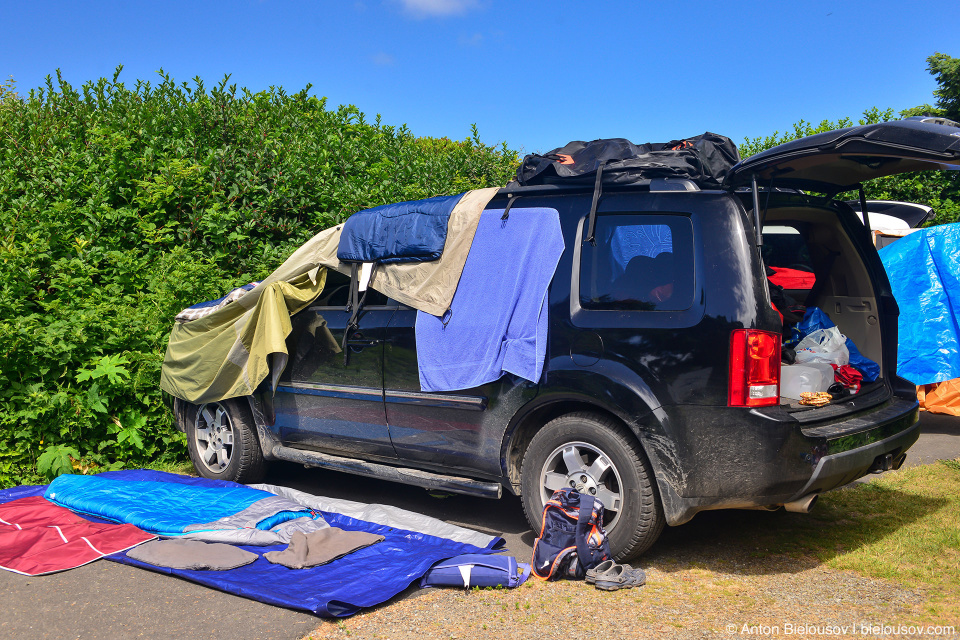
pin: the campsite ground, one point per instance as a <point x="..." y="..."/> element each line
<point x="724" y="568"/>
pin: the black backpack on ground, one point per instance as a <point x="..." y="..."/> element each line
<point x="572" y="538"/>
<point x="705" y="159"/>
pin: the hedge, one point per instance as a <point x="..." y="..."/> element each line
<point x="120" y="205"/>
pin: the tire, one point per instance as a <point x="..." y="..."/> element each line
<point x="633" y="515"/>
<point x="222" y="440"/>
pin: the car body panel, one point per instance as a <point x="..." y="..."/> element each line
<point x="325" y="404"/>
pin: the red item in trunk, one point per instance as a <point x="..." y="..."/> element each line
<point x="792" y="278"/>
<point x="848" y="377"/>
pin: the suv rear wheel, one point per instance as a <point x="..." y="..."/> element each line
<point x="599" y="457"/>
<point x="222" y="440"/>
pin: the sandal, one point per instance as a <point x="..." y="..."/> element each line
<point x="598" y="570"/>
<point x="621" y="576"/>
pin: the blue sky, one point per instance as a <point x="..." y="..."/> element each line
<point x="534" y="74"/>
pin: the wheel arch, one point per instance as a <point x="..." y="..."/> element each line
<point x="534" y="416"/>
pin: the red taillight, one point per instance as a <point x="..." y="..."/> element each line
<point x="754" y="368"/>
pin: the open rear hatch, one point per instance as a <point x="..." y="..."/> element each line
<point x="838" y="161"/>
<point x="835" y="162"/>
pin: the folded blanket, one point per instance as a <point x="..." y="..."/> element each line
<point x="193" y="555"/>
<point x="402" y="232"/>
<point x="321" y="547"/>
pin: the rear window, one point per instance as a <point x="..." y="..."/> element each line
<point x="785" y="251"/>
<point x="640" y="262"/>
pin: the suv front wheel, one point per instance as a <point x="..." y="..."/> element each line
<point x="222" y="440"/>
<point x="597" y="456"/>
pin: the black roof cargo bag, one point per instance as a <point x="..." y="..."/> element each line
<point x="704" y="159"/>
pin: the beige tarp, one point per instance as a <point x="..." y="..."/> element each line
<point x="229" y="352"/>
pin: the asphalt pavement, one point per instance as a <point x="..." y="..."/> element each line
<point x="107" y="601"/>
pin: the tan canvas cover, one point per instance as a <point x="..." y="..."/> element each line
<point x="940" y="397"/>
<point x="228" y="353"/>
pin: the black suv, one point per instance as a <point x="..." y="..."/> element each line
<point x="660" y="390"/>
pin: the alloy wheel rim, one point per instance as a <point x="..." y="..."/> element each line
<point x="213" y="435"/>
<point x="588" y="470"/>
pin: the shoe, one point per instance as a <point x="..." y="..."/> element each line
<point x="621" y="576"/>
<point x="603" y="567"/>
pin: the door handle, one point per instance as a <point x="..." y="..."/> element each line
<point x="362" y="343"/>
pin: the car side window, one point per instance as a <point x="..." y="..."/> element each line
<point x="640" y="262"/>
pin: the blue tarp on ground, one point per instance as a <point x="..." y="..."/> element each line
<point x="497" y="321"/>
<point x="924" y="273"/>
<point x="402" y="232"/>
<point x="362" y="579"/>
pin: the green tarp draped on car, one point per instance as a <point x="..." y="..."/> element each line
<point x="228" y="353"/>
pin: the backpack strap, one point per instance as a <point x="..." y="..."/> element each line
<point x="584" y="529"/>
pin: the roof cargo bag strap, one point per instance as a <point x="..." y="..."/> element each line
<point x="506" y="210"/>
<point x="355" y="305"/>
<point x="597" y="189"/>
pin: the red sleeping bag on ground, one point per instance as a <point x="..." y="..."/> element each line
<point x="38" y="537"/>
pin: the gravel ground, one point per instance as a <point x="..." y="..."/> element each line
<point x="709" y="578"/>
<point x="676" y="603"/>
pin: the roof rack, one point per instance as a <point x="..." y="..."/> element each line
<point x="653" y="184"/>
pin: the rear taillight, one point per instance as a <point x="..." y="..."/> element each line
<point x="754" y="368"/>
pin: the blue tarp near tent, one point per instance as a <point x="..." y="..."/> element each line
<point x="362" y="579"/>
<point x="924" y="273"/>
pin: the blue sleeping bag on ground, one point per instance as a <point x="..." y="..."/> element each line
<point x="402" y="232"/>
<point x="365" y="578"/>
<point x="238" y="515"/>
<point x="924" y="273"/>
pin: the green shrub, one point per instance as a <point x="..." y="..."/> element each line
<point x="119" y="206"/>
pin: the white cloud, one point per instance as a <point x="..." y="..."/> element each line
<point x="383" y="59"/>
<point x="425" y="8"/>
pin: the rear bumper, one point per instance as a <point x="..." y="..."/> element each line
<point x="752" y="460"/>
<point x="850" y="448"/>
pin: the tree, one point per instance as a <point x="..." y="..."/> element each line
<point x="947" y="72"/>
